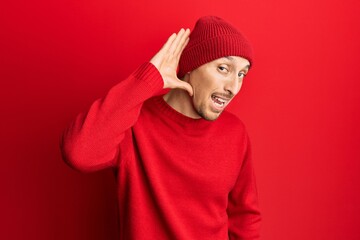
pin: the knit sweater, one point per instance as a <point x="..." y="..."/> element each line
<point x="177" y="177"/>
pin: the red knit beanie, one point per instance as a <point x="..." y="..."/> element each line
<point x="212" y="38"/>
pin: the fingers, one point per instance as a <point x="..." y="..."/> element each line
<point x="182" y="49"/>
<point x="158" y="59"/>
<point x="169" y="42"/>
<point x="178" y="41"/>
<point x="182" y="43"/>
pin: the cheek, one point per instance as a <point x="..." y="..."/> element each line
<point x="203" y="84"/>
<point x="202" y="91"/>
<point x="240" y="85"/>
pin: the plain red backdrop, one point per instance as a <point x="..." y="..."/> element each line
<point x="300" y="103"/>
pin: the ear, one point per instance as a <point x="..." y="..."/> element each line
<point x="186" y="77"/>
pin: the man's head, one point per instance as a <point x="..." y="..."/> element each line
<point x="213" y="38"/>
<point x="214" y="62"/>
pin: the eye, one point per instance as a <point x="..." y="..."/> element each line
<point x="223" y="69"/>
<point x="241" y="75"/>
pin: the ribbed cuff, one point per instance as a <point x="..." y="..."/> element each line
<point x="149" y="74"/>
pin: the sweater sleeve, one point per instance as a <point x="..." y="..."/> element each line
<point x="243" y="209"/>
<point x="91" y="141"/>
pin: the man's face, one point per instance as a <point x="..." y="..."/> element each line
<point x="216" y="83"/>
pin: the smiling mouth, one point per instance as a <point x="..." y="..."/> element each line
<point x="218" y="101"/>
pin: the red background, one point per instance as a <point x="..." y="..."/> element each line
<point x="300" y="103"/>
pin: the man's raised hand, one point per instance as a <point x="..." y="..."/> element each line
<point x="167" y="60"/>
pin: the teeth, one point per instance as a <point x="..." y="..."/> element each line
<point x="218" y="101"/>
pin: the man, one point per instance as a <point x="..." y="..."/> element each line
<point x="181" y="174"/>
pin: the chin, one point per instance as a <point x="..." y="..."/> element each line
<point x="206" y="112"/>
<point x="209" y="116"/>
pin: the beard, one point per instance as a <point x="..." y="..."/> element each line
<point x="201" y="110"/>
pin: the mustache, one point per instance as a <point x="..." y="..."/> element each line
<point x="224" y="95"/>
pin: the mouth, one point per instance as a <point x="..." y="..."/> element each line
<point x="219" y="102"/>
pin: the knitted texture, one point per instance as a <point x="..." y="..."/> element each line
<point x="173" y="179"/>
<point x="213" y="38"/>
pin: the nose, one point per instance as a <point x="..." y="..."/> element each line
<point x="233" y="86"/>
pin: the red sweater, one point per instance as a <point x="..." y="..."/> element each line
<point x="178" y="177"/>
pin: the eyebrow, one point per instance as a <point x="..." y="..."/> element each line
<point x="229" y="57"/>
<point x="232" y="59"/>
<point x="247" y="67"/>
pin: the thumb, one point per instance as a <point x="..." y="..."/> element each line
<point x="187" y="87"/>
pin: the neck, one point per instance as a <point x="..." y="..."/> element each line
<point x="180" y="100"/>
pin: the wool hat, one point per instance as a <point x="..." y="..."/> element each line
<point x="213" y="38"/>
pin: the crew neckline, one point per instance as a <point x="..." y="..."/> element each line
<point x="181" y="119"/>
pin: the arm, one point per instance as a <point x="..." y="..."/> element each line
<point x="91" y="141"/>
<point x="243" y="210"/>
